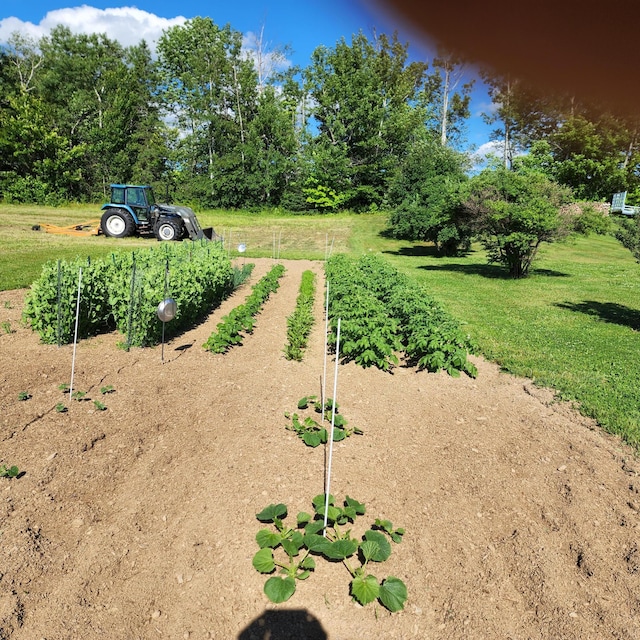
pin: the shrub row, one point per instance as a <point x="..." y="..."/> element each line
<point x="123" y="291"/>
<point x="383" y="313"/>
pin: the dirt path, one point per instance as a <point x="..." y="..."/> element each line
<point x="139" y="521"/>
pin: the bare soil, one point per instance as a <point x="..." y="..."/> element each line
<point x="521" y="516"/>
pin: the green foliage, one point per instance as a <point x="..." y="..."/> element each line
<point x="9" y="472"/>
<point x="24" y="395"/>
<point x="6" y="327"/>
<point x="513" y="213"/>
<point x="293" y="551"/>
<point x="628" y="234"/>
<point x="300" y="322"/>
<point x="124" y="291"/>
<point x="99" y="405"/>
<point x="383" y="313"/>
<point x="60" y="408"/>
<point x="241" y="319"/>
<point x="311" y="432"/>
<point x="107" y="389"/>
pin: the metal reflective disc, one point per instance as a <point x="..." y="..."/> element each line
<point x="167" y="310"/>
<point x="242" y="248"/>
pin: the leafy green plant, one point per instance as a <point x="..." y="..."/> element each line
<point x="299" y="323"/>
<point x="78" y="395"/>
<point x="241" y="319"/>
<point x="64" y="387"/>
<point x="61" y="408"/>
<point x="99" y="406"/>
<point x="311" y="432"/>
<point x="293" y="550"/>
<point x="7" y="305"/>
<point x="9" y="472"/>
<point x="107" y="389"/>
<point x="6" y="327"/>
<point x="24" y="395"/>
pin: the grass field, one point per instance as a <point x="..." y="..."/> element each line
<point x="572" y="325"/>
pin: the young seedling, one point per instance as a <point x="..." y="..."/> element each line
<point x="313" y="433"/>
<point x="9" y="472"/>
<point x="60" y="408"/>
<point x="292" y="551"/>
<point x="107" y="389"/>
<point x="78" y="395"/>
<point x="24" y="395"/>
<point x="64" y="387"/>
<point x="6" y="327"/>
<point x="99" y="406"/>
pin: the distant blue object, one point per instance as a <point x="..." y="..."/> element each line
<point x="618" y="205"/>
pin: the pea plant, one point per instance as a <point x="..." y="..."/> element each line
<point x="292" y="551"/>
<point x="313" y="433"/>
<point x="300" y="321"/>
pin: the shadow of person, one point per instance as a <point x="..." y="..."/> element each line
<point x="284" y="624"/>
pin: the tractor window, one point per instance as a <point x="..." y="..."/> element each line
<point x="117" y="195"/>
<point x="135" y="197"/>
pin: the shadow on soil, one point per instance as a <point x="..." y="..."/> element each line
<point x="606" y="311"/>
<point x="284" y="624"/>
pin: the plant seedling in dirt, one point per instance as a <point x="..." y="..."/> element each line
<point x="292" y="551"/>
<point x="99" y="406"/>
<point x="313" y="433"/>
<point x="7" y="305"/>
<point x="60" y="408"/>
<point x="64" y="387"/>
<point x="78" y="395"/>
<point x="24" y="395"/>
<point x="107" y="389"/>
<point x="6" y="327"/>
<point x="9" y="472"/>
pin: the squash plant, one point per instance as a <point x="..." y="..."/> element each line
<point x="313" y="433"/>
<point x="292" y="551"/>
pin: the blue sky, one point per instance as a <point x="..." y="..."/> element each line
<point x="303" y="25"/>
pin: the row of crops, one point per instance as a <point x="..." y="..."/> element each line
<point x="123" y="292"/>
<point x="384" y="313"/>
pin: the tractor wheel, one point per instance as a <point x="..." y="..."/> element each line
<point x="117" y="223"/>
<point x="168" y="229"/>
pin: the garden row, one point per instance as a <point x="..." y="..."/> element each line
<point x="384" y="313"/>
<point x="123" y="292"/>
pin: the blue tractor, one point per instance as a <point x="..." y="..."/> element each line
<point x="133" y="210"/>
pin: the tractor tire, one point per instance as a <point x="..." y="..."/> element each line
<point x="117" y="223"/>
<point x="168" y="229"/>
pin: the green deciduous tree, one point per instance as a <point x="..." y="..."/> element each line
<point x="513" y="213"/>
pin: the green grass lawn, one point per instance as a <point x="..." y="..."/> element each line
<point x="572" y="325"/>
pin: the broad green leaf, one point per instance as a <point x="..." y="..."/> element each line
<point x="369" y="549"/>
<point x="316" y="543"/>
<point x="387" y="525"/>
<point x="312" y="438"/>
<point x="291" y="548"/>
<point x="393" y="593"/>
<point x="304" y="575"/>
<point x="338" y="434"/>
<point x="340" y="549"/>
<point x="365" y="589"/>
<point x="358" y="506"/>
<point x="320" y="500"/>
<point x="314" y="527"/>
<point x="308" y="563"/>
<point x="273" y="511"/>
<point x="302" y="518"/>
<point x="333" y="513"/>
<point x="279" y="589"/>
<point x="267" y="538"/>
<point x="384" y="548"/>
<point x="303" y="403"/>
<point x="263" y="561"/>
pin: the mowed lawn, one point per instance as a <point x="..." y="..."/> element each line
<point x="572" y="325"/>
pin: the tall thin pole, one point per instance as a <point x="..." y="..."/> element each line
<point x="326" y="333"/>
<point x="333" y="418"/>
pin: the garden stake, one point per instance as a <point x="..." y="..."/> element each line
<point x="326" y="330"/>
<point x="333" y="418"/>
<point x="75" y="335"/>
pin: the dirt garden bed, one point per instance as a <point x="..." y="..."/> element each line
<point x="138" y="521"/>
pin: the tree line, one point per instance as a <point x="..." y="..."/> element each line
<point x="362" y="127"/>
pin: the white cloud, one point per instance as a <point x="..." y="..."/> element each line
<point x="127" y="25"/>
